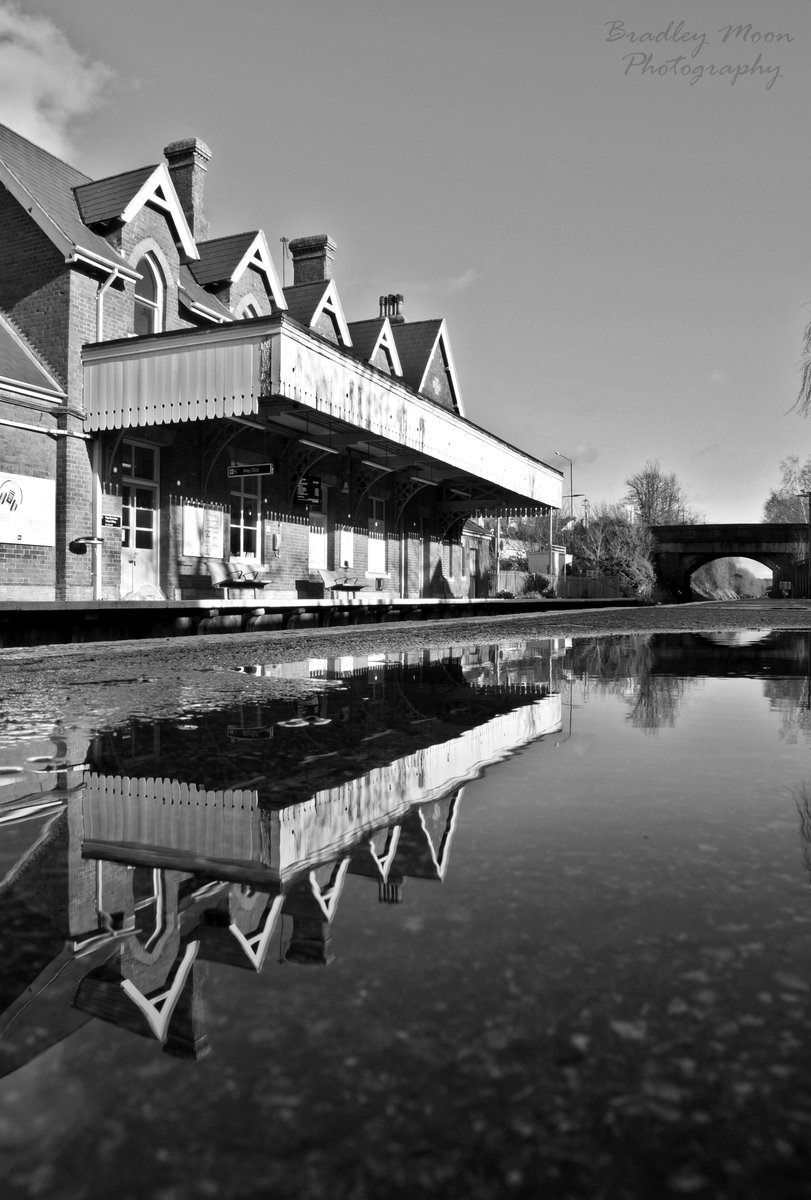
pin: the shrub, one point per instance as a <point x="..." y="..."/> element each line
<point x="540" y="584"/>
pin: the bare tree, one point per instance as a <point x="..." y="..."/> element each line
<point x="785" y="502"/>
<point x="658" y="498"/>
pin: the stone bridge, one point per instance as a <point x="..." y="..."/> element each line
<point x="682" y="549"/>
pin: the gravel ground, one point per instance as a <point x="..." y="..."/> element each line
<point x="98" y="683"/>
<point x="227" y="650"/>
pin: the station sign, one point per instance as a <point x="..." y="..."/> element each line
<point x="308" y="489"/>
<point x="241" y="470"/>
<point x="250" y="733"/>
<point x="112" y="522"/>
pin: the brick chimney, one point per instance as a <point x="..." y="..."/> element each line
<point x="312" y="258"/>
<point x="188" y="162"/>
<point x="391" y="306"/>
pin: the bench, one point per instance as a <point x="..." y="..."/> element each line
<point x="227" y="576"/>
<point x="340" y="582"/>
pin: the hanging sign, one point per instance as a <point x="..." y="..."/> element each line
<point x="240" y="470"/>
<point x="308" y="489"/>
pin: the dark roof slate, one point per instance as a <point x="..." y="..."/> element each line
<point x="415" y="341"/>
<point x="220" y="257"/>
<point x="105" y="199"/>
<point x="364" y="336"/>
<point x="50" y="183"/>
<point x="18" y="361"/>
<point x="302" y="301"/>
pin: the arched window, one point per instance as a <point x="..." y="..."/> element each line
<point x="150" y="297"/>
<point x="250" y="311"/>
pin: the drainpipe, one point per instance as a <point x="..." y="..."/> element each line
<point x="97" y="545"/>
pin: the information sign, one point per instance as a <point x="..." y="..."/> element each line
<point x="240" y="470"/>
<point x="308" y="489"/>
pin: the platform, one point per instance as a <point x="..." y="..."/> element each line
<point x="44" y="622"/>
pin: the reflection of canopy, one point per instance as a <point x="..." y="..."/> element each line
<point x="227" y="835"/>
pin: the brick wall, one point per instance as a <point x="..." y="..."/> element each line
<point x="34" y="284"/>
<point x="251" y="286"/>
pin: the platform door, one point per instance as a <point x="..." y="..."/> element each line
<point x="140" y="516"/>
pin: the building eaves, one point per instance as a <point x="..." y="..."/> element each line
<point x="197" y="299"/>
<point x="44" y="186"/>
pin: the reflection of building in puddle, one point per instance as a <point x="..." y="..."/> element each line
<point x="146" y="878"/>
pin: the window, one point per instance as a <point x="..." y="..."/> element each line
<point x="250" y="311"/>
<point x="346" y="548"/>
<point x="377" y="536"/>
<point x="138" y="466"/>
<point x="150" y="297"/>
<point x="245" y="518"/>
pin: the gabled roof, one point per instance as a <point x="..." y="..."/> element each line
<point x="21" y="368"/>
<point x="417" y="342"/>
<point x="225" y="260"/>
<point x="369" y="337"/>
<point x="307" y="302"/>
<point x="121" y="197"/>
<point x="43" y="185"/>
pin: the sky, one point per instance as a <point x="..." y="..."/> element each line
<point x="613" y="216"/>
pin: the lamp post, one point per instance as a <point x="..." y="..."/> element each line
<point x="807" y="497"/>
<point x="571" y="480"/>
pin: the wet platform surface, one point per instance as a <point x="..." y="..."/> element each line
<point x="505" y="918"/>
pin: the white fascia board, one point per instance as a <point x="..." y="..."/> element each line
<point x="258" y="255"/>
<point x="442" y="336"/>
<point x="160" y="178"/>
<point x="319" y="375"/>
<point x="331" y="303"/>
<point x="80" y="254"/>
<point x="385" y="340"/>
<point x="32" y="392"/>
<point x="136" y="347"/>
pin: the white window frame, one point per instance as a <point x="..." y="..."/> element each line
<point x="157" y="307"/>
<point x="376" y="545"/>
<point x="249" y="485"/>
<point x="318" y="549"/>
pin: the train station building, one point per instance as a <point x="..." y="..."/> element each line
<point x="176" y="424"/>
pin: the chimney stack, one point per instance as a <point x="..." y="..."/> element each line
<point x="312" y="258"/>
<point x="391" y="306"/>
<point x="188" y="162"/>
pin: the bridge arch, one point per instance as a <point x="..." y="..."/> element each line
<point x="682" y="549"/>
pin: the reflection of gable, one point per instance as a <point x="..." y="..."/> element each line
<point x="225" y="834"/>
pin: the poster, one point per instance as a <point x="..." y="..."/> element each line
<point x="202" y="531"/>
<point x="27" y="510"/>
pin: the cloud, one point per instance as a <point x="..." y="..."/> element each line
<point x="585" y="452"/>
<point x="44" y="83"/>
<point x="450" y="286"/>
